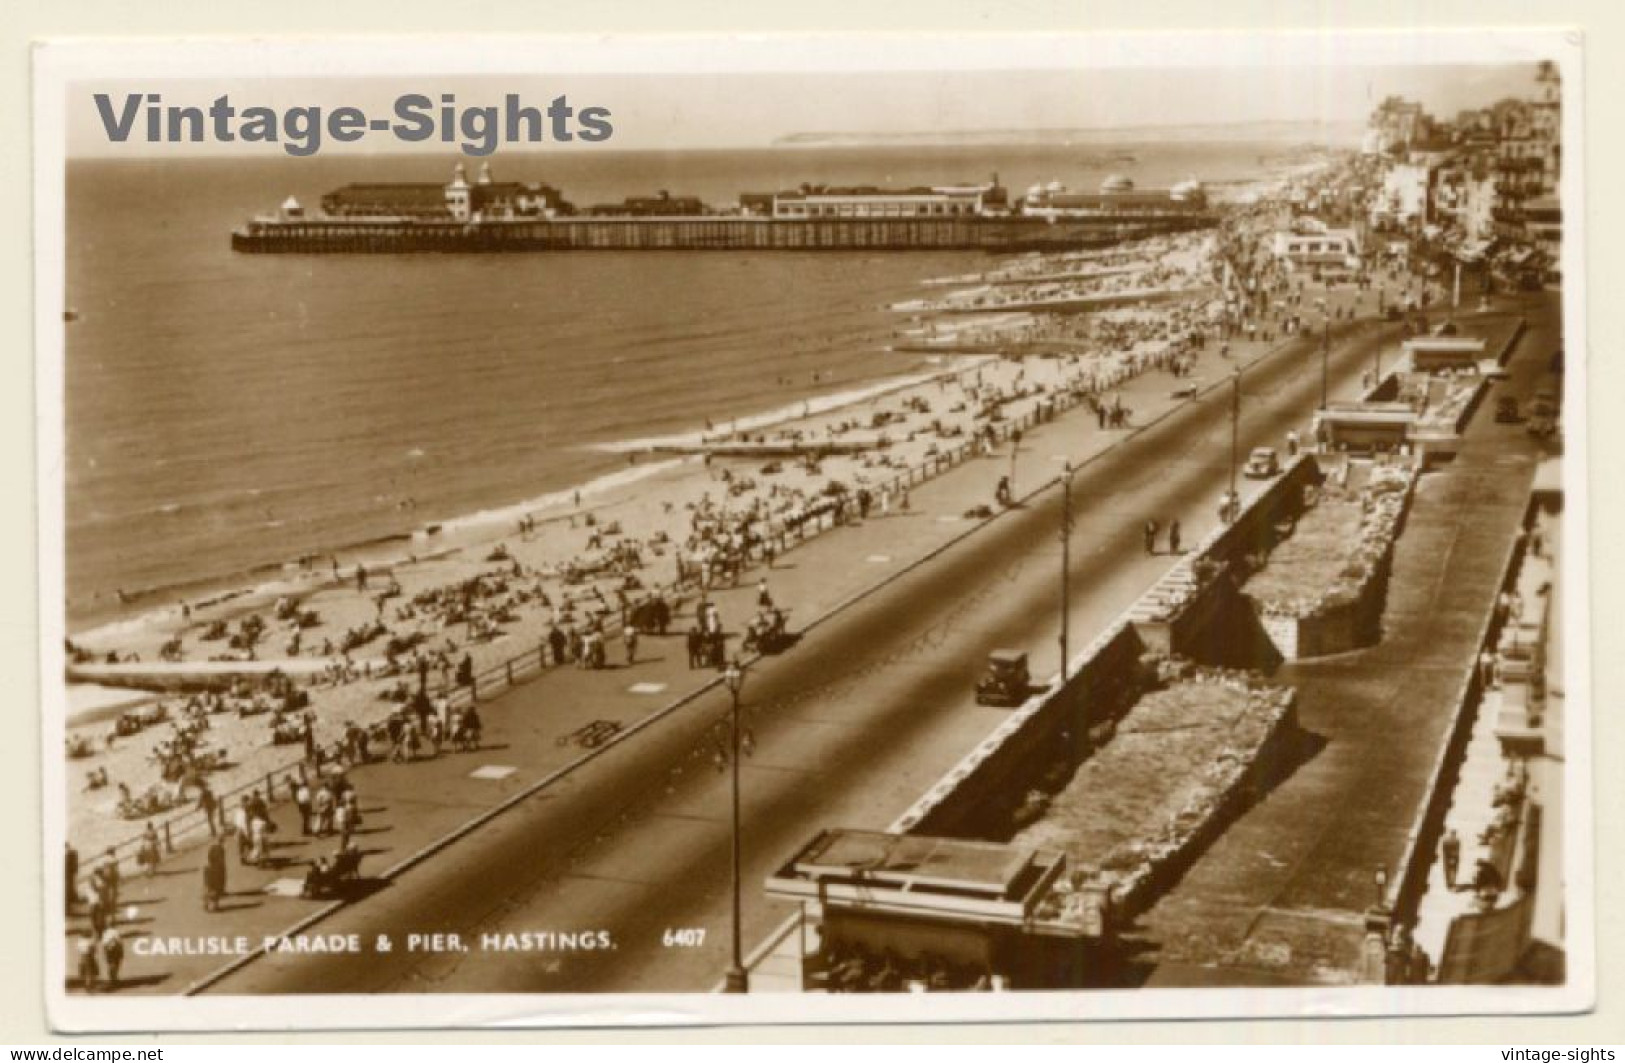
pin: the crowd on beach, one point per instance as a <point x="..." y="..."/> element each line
<point x="1176" y="263"/>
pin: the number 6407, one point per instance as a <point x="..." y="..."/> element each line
<point x="684" y="937"/>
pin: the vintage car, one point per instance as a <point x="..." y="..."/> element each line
<point x="1006" y="682"/>
<point x="1262" y="463"/>
<point x="1506" y="410"/>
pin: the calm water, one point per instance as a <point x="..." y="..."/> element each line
<point x="230" y="411"/>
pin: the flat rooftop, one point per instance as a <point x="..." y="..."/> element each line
<point x="908" y="861"/>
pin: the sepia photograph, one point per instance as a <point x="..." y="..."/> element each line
<point x="612" y="531"/>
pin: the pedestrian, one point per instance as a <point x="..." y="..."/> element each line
<point x="1450" y="855"/>
<point x="112" y="954"/>
<point x="110" y="880"/>
<point x="630" y="637"/>
<point x="70" y="877"/>
<point x="148" y="851"/>
<point x="1173" y="537"/>
<point x="696" y="643"/>
<point x="321" y="808"/>
<point x="1150" y="537"/>
<point x="1486" y="669"/>
<point x="98" y="909"/>
<point x="209" y="806"/>
<point x="343" y="822"/>
<point x="89" y="973"/>
<point x="1292" y="443"/>
<point x="302" y="799"/>
<point x="214" y="876"/>
<point x="259" y="828"/>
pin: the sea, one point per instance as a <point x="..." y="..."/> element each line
<point x="227" y="413"/>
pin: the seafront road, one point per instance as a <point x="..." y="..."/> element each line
<point x="848" y="728"/>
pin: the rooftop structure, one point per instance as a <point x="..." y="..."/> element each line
<point x="872" y="201"/>
<point x="1117" y="193"/>
<point x="457" y="200"/>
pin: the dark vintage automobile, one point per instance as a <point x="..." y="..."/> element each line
<point x="1006" y="683"/>
<point x="1506" y="410"/>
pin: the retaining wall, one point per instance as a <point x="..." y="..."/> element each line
<point x="1340" y="628"/>
<point x="1056" y="723"/>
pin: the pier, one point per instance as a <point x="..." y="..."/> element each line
<point x="707" y="233"/>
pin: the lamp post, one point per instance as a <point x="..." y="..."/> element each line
<point x="1015" y="446"/>
<point x="736" y="980"/>
<point x="1325" y="352"/>
<point x="1235" y="427"/>
<point x="1066" y="564"/>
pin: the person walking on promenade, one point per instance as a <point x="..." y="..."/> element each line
<point x="112" y="944"/>
<point x="696" y="643"/>
<point x="259" y="829"/>
<point x="1450" y="855"/>
<point x="301" y="799"/>
<point x="1486" y="669"/>
<point x="1292" y="443"/>
<point x="239" y="827"/>
<point x="630" y="637"/>
<point x="1150" y="537"/>
<point x="89" y="973"/>
<point x="344" y="818"/>
<point x="110" y="881"/>
<point x="557" y="644"/>
<point x="148" y="851"/>
<point x="321" y="808"/>
<point x="209" y="806"/>
<point x="70" y="878"/>
<point x="1173" y="537"/>
<point x="214" y="876"/>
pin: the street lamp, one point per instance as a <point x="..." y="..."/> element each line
<point x="1325" y="351"/>
<point x="736" y="980"/>
<point x="1015" y="446"/>
<point x="1235" y="427"/>
<point x="1066" y="564"/>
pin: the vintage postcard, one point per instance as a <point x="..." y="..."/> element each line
<point x="760" y="529"/>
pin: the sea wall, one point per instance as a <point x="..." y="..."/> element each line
<point x="1060" y="725"/>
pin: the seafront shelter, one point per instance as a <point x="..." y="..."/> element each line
<point x="1432" y="354"/>
<point x="1004" y="915"/>
<point x="1365" y="426"/>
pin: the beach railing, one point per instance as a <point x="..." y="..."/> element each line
<point x="492" y="681"/>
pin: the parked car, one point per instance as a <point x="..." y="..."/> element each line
<point x="1506" y="410"/>
<point x="1262" y="463"/>
<point x="1006" y="683"/>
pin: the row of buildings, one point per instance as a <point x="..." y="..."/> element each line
<point x="1485" y="183"/>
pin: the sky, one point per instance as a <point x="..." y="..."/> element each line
<point x="736" y="110"/>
